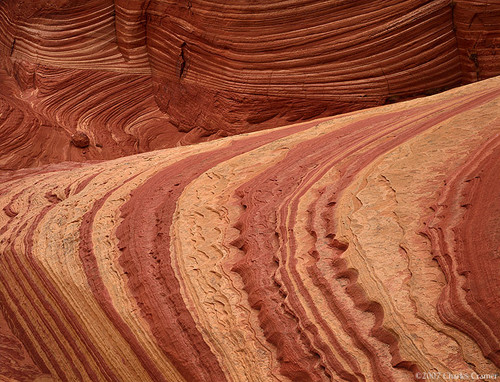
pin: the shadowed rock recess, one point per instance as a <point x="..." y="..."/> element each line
<point x="363" y="246"/>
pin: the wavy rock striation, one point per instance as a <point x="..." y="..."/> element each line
<point x="477" y="25"/>
<point x="139" y="75"/>
<point x="362" y="247"/>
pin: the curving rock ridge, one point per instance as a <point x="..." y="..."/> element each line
<point x="140" y="75"/>
<point x="362" y="247"/>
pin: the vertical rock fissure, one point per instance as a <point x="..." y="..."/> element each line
<point x="182" y="67"/>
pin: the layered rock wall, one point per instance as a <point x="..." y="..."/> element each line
<point x="477" y="25"/>
<point x="139" y="75"/>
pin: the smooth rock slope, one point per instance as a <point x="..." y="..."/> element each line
<point x="363" y="247"/>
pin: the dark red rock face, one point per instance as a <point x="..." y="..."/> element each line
<point x="477" y="25"/>
<point x="141" y="75"/>
<point x="258" y="64"/>
<point x="80" y="139"/>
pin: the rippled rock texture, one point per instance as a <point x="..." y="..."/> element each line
<point x="362" y="247"/>
<point x="139" y="75"/>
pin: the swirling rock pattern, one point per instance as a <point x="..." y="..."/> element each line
<point x="362" y="247"/>
<point x="140" y="75"/>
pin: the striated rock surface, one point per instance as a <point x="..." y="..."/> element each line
<point x="140" y="75"/>
<point x="477" y="25"/>
<point x="363" y="247"/>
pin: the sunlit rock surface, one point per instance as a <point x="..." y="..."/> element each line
<point x="362" y="247"/>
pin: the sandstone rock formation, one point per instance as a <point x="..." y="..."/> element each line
<point x="140" y="75"/>
<point x="80" y="139"/>
<point x="362" y="247"/>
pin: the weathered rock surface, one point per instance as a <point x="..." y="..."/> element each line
<point x="80" y="139"/>
<point x="146" y="74"/>
<point x="363" y="247"/>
